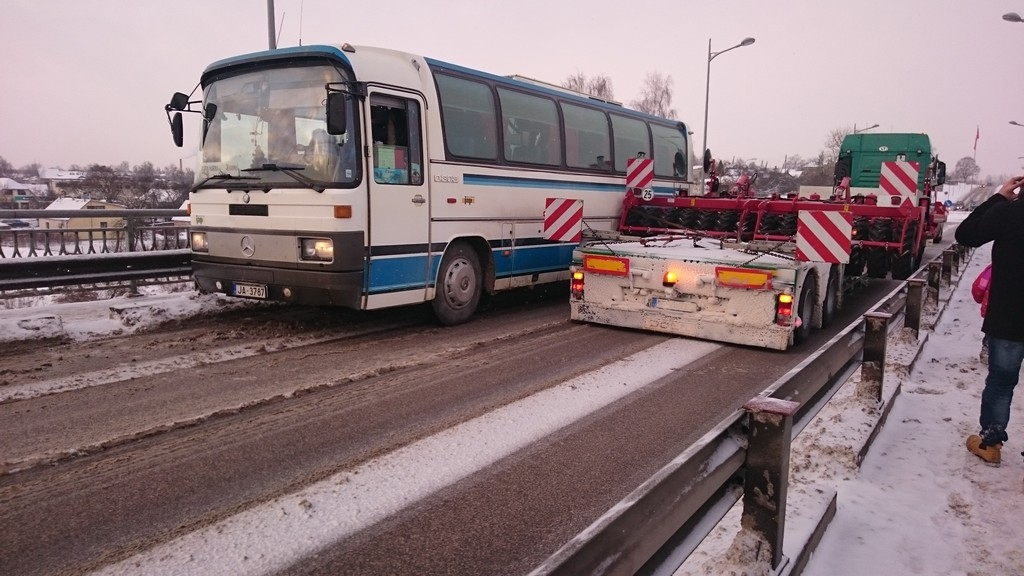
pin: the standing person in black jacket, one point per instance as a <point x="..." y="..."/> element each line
<point x="999" y="220"/>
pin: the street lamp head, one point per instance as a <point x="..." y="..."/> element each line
<point x="707" y="86"/>
<point x="1015" y="123"/>
<point x="1012" y="17"/>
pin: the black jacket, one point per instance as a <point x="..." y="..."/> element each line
<point x="1001" y="222"/>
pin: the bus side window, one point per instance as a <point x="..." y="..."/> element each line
<point x="397" y="145"/>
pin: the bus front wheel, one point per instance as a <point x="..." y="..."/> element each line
<point x="458" y="285"/>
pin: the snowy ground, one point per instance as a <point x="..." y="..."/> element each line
<point x="920" y="503"/>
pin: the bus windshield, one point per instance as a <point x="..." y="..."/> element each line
<point x="271" y="124"/>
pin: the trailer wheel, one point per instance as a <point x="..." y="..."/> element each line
<point x="878" y="258"/>
<point x="830" y="304"/>
<point x="904" y="263"/>
<point x="459" y="285"/>
<point x="855" y="268"/>
<point x="938" y="235"/>
<point x="805" y="312"/>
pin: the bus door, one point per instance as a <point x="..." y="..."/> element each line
<point x="399" y="222"/>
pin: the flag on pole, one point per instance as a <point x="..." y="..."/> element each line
<point x="977" y="133"/>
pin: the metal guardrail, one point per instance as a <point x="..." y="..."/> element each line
<point x="147" y="245"/>
<point x="657" y="526"/>
<point x="110" y="268"/>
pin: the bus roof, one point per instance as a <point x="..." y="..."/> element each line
<point x="349" y="55"/>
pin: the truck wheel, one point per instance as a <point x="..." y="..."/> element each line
<point x="805" y="312"/>
<point x="459" y="285"/>
<point x="830" y="304"/>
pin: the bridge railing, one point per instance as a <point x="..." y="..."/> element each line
<point x="143" y="245"/>
<point x="142" y="230"/>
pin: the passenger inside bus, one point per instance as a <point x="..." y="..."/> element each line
<point x="390" y="134"/>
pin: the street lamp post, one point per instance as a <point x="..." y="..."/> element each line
<point x="707" y="86"/>
<point x="855" y="131"/>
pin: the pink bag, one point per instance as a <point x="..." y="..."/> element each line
<point x="979" y="290"/>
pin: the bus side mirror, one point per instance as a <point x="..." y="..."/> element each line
<point x="178" y="102"/>
<point x="176" y="129"/>
<point x="337" y="108"/>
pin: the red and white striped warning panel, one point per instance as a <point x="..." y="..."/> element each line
<point x="639" y="172"/>
<point x="563" y="220"/>
<point x="898" y="179"/>
<point x="823" y="236"/>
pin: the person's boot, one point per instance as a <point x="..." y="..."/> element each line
<point x="988" y="453"/>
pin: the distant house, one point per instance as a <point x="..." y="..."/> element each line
<point x="14" y="195"/>
<point x="55" y="178"/>
<point x="92" y="217"/>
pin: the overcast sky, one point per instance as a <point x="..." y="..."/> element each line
<point x="86" y="81"/>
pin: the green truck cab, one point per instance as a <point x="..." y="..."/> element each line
<point x="861" y="157"/>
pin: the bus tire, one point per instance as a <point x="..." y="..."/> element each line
<point x="459" y="285"/>
<point x="805" y="312"/>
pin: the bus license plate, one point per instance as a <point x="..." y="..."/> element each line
<point x="250" y="290"/>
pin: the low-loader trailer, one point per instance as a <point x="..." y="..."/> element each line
<point x="762" y="271"/>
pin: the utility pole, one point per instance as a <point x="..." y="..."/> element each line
<point x="270" y="24"/>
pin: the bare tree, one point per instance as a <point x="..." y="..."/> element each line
<point x="833" y="142"/>
<point x="599" y="86"/>
<point x="656" y="96"/>
<point x="966" y="170"/>
<point x="31" y="170"/>
<point x="795" y="161"/>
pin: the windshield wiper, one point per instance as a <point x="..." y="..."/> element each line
<point x="290" y="170"/>
<point x="222" y="176"/>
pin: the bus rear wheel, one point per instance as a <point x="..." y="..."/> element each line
<point x="459" y="285"/>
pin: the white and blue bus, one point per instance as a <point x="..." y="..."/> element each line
<point x="366" y="178"/>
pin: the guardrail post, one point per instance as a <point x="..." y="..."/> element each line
<point x="965" y="252"/>
<point x="915" y="300"/>
<point x="956" y="261"/>
<point x="947" y="266"/>
<point x="766" y="481"/>
<point x="872" y="368"/>
<point x="934" y="272"/>
<point x="130" y="234"/>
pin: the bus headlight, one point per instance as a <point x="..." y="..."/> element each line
<point x="199" y="242"/>
<point x="317" y="249"/>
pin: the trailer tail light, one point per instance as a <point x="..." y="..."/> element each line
<point x="784" y="310"/>
<point x="576" y="285"/>
<point x="669" y="279"/>
<point x="606" y="265"/>
<point x="744" y="278"/>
